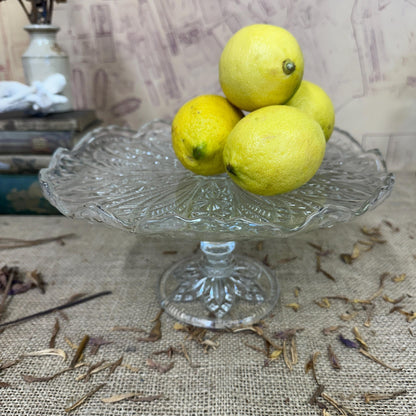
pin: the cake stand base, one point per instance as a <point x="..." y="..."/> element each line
<point x="217" y="289"/>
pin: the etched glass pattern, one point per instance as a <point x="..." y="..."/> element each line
<point x="133" y="181"/>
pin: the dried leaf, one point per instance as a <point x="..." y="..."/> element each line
<point x="4" y="384"/>
<point x="146" y="398"/>
<point x="348" y="342"/>
<point x="119" y="397"/>
<point x="159" y="367"/>
<point x="39" y="379"/>
<point x="94" y="370"/>
<point x="169" y="351"/>
<point x="377" y="360"/>
<point x="331" y="329"/>
<point x="265" y="260"/>
<point x="286" y="356"/>
<point x="311" y="365"/>
<point x="76" y="296"/>
<point x="348" y="316"/>
<point x="378" y="240"/>
<point x="392" y="227"/>
<point x="294" y="306"/>
<point x="177" y="326"/>
<point x="393" y="301"/>
<point x="287" y="333"/>
<point x="315" y="246"/>
<point x="399" y="278"/>
<point x="346" y="258"/>
<point x="49" y="351"/>
<point x="355" y="251"/>
<point x="115" y="364"/>
<point x="359" y="338"/>
<point x="96" y="343"/>
<point x="410" y="316"/>
<point x="210" y="343"/>
<point x="339" y="407"/>
<point x="327" y="274"/>
<point x="275" y="354"/>
<point x="258" y="349"/>
<point x="70" y="343"/>
<point x="155" y="333"/>
<point x="54" y="334"/>
<point x="86" y="377"/>
<point x="296" y="291"/>
<point x="317" y="393"/>
<point x="130" y="368"/>
<point x="79" y="351"/>
<point x="323" y="303"/>
<point x="37" y="280"/>
<point x="333" y="359"/>
<point x="84" y="398"/>
<point x="372" y="232"/>
<point x="8" y="364"/>
<point x="293" y="351"/>
<point x="371" y="397"/>
<point x="287" y="260"/>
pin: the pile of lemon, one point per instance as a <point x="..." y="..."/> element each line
<point x="280" y="143"/>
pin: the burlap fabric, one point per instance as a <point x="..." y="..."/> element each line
<point x="232" y="379"/>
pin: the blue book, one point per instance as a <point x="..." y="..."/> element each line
<point x="21" y="194"/>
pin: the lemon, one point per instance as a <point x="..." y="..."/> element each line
<point x="199" y="130"/>
<point x="312" y="99"/>
<point x="260" y="65"/>
<point x="273" y="150"/>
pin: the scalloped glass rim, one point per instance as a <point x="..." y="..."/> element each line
<point x="133" y="181"/>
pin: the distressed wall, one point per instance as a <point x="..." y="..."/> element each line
<point x="133" y="60"/>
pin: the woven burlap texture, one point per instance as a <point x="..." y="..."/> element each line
<point x="232" y="379"/>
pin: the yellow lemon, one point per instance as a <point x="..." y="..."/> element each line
<point x="199" y="130"/>
<point x="312" y="99"/>
<point x="260" y="65"/>
<point x="273" y="150"/>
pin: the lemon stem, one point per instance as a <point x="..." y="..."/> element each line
<point x="288" y="66"/>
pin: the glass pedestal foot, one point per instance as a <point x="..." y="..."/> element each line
<point x="217" y="289"/>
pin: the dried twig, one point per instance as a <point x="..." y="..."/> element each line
<point x="56" y="308"/>
<point x="10" y="243"/>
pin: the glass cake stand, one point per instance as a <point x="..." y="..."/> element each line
<point x="133" y="181"/>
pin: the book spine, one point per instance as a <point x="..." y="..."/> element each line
<point x="76" y="120"/>
<point x="34" y="142"/>
<point x="23" y="164"/>
<point x="21" y="194"/>
<point x="38" y="125"/>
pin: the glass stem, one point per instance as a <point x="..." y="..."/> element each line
<point x="218" y="260"/>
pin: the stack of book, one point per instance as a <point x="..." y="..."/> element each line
<point x="27" y="143"/>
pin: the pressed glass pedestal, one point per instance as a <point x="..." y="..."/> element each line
<point x="132" y="180"/>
